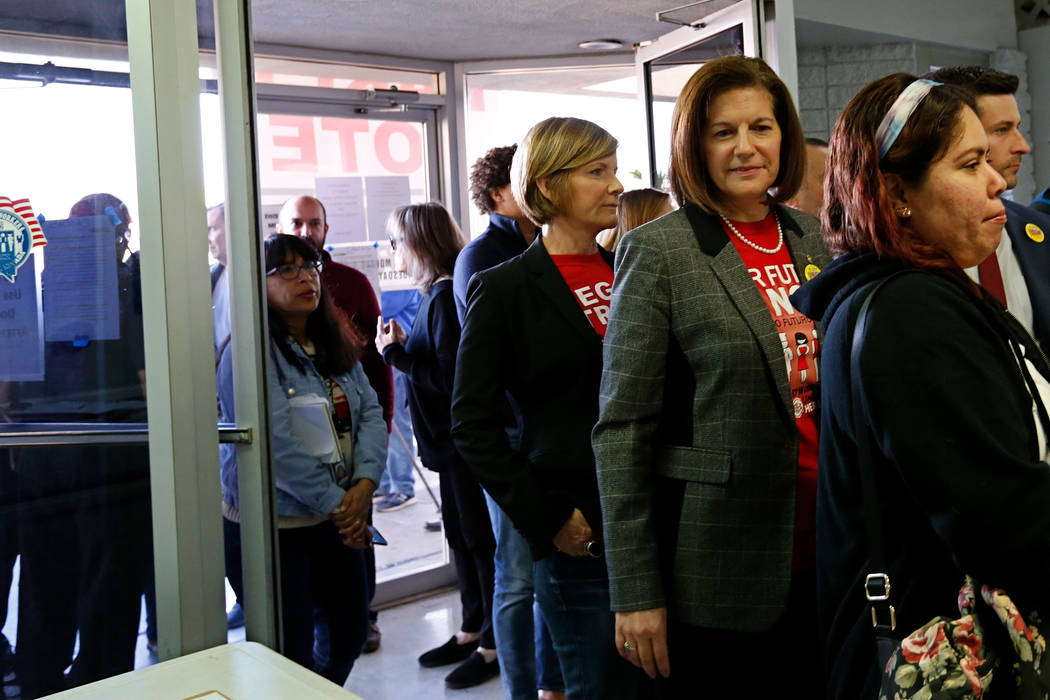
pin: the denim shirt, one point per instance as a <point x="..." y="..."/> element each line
<point x="304" y="485"/>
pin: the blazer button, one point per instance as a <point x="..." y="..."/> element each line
<point x="291" y="392"/>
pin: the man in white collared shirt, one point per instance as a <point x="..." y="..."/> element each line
<point x="1018" y="273"/>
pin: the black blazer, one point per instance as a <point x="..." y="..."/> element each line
<point x="1033" y="255"/>
<point x="526" y="338"/>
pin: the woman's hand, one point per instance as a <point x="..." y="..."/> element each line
<point x="645" y="631"/>
<point x="574" y="535"/>
<point x="389" y="333"/>
<point x="351" y="516"/>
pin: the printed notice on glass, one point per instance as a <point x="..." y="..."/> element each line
<point x="344" y="201"/>
<point x="21" y="326"/>
<point x="384" y="194"/>
<point x="270" y="214"/>
<point x="363" y="257"/>
<point x="80" y="280"/>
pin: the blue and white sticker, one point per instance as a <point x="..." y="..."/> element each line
<point x="15" y="244"/>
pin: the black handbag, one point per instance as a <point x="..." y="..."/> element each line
<point x="945" y="659"/>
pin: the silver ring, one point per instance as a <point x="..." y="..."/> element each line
<point x="627" y="647"/>
<point x="592" y="548"/>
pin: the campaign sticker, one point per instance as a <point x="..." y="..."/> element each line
<point x="1035" y="233"/>
<point x="20" y="232"/>
<point x="811" y="271"/>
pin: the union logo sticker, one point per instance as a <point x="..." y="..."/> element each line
<point x="1034" y="232"/>
<point x="20" y="232"/>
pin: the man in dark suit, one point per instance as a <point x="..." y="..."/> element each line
<point x="1042" y="202"/>
<point x="1018" y="273"/>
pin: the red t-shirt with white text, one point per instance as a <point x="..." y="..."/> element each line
<point x="590" y="279"/>
<point x="776" y="278"/>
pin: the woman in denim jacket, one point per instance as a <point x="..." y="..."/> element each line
<point x="322" y="501"/>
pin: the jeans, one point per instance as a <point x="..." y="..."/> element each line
<point x="573" y="593"/>
<point x="398" y="477"/>
<point x="527" y="659"/>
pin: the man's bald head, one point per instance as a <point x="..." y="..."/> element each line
<point x="306" y="218"/>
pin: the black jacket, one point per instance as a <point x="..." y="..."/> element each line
<point x="960" y="485"/>
<point x="429" y="360"/>
<point x="525" y="336"/>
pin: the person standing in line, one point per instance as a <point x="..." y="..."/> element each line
<point x="352" y="293"/>
<point x="810" y="196"/>
<point x="533" y="333"/>
<point x="522" y="638"/>
<point x="635" y="208"/>
<point x="322" y="500"/>
<point x="953" y="388"/>
<point x="397" y="489"/>
<point x="1017" y="273"/>
<point x="426" y="242"/>
<point x="707" y="437"/>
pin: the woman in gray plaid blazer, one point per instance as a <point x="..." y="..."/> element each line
<point x="706" y="440"/>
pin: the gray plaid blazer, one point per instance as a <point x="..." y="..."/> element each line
<point x="696" y="443"/>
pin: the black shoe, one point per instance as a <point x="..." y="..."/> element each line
<point x="235" y="618"/>
<point x="448" y="653"/>
<point x="474" y="671"/>
<point x="373" y="639"/>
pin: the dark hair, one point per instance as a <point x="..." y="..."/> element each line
<point x="981" y="80"/>
<point x="858" y="215"/>
<point x="432" y="238"/>
<point x="337" y="343"/>
<point x="690" y="180"/>
<point x="490" y="172"/>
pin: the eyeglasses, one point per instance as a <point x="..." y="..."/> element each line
<point x="290" y="271"/>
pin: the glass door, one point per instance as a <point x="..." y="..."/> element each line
<point x="664" y="66"/>
<point x="361" y="162"/>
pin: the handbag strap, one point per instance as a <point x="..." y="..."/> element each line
<point x="877" y="581"/>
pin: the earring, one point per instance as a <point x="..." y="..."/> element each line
<point x="903" y="212"/>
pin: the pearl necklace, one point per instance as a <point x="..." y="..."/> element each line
<point x="760" y="249"/>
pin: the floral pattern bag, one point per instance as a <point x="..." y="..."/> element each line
<point x="949" y="659"/>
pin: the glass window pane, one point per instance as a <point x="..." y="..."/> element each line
<point x="72" y="359"/>
<point x="607" y="96"/>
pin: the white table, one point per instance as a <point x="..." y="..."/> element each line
<point x="241" y="671"/>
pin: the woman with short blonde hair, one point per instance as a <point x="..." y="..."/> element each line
<point x="533" y="331"/>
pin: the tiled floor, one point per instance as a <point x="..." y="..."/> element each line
<point x="392" y="673"/>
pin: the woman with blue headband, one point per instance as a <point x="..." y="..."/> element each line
<point x="933" y="421"/>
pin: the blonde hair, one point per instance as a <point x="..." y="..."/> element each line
<point x="550" y="150"/>
<point x="430" y="237"/>
<point x="635" y="208"/>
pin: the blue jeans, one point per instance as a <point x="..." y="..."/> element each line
<point x="526" y="654"/>
<point x="398" y="477"/>
<point x="573" y="594"/>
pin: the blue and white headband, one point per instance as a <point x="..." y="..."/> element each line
<point x="897" y="116"/>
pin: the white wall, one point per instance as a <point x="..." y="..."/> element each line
<point x="975" y="24"/>
<point x="1034" y="42"/>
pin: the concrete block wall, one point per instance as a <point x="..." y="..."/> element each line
<point x="829" y="77"/>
